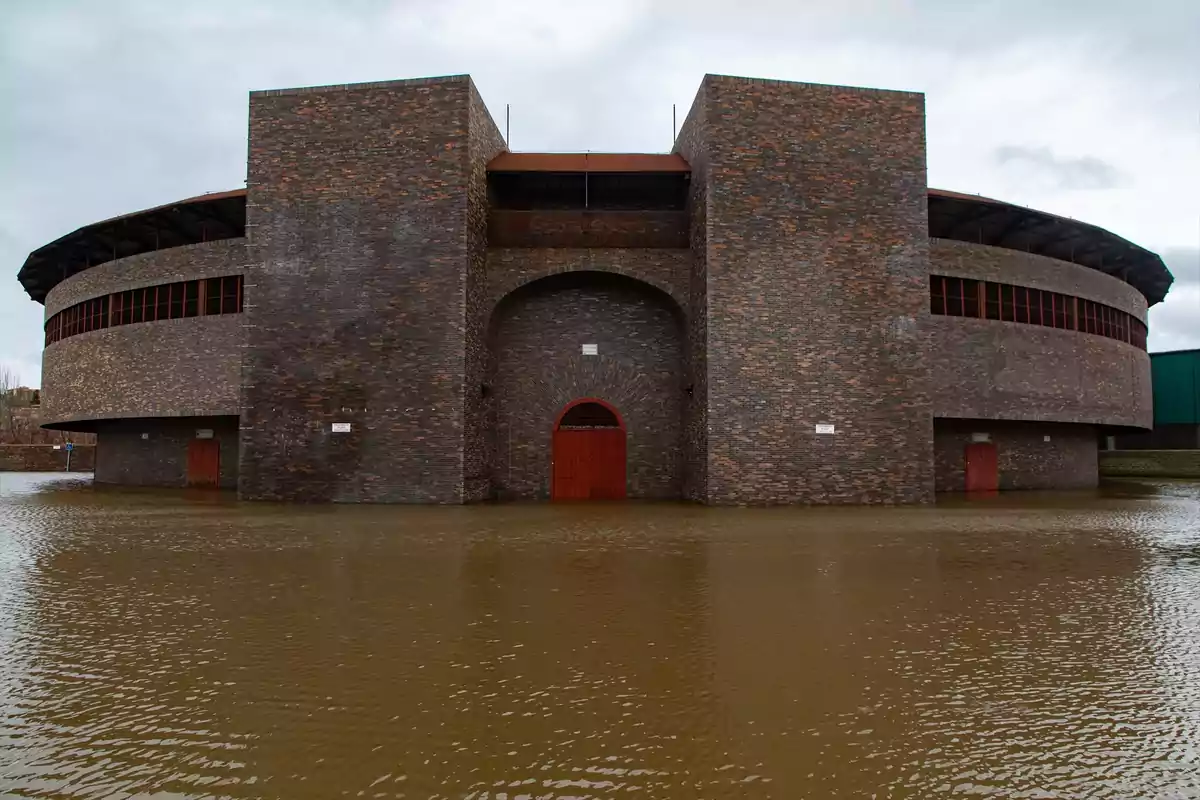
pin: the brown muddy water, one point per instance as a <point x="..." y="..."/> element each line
<point x="184" y="646"/>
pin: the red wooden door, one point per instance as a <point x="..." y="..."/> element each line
<point x="983" y="473"/>
<point x="589" y="464"/>
<point x="204" y="463"/>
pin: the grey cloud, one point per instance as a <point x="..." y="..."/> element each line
<point x="131" y="103"/>
<point x="1175" y="322"/>
<point x="1081" y="173"/>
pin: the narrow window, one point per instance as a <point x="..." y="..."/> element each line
<point x="191" y="298"/>
<point x="1008" y="307"/>
<point x="229" y="294"/>
<point x="175" y="300"/>
<point x="954" y="297"/>
<point x="937" y="294"/>
<point x="212" y="298"/>
<point x="971" y="298"/>
<point x="161" y="301"/>
<point x="992" y="300"/>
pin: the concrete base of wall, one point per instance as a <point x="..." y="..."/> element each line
<point x="154" y="452"/>
<point x="45" y="458"/>
<point x="1032" y="455"/>
<point x="1150" y="464"/>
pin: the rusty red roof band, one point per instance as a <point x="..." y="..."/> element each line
<point x="588" y="162"/>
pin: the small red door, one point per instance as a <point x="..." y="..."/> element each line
<point x="588" y="454"/>
<point x="204" y="463"/>
<point x="983" y="474"/>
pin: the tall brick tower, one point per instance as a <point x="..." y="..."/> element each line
<point x="366" y="238"/>
<point x="810" y="241"/>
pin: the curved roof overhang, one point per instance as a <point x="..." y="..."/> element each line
<point x="952" y="215"/>
<point x="220" y="215"/>
<point x="970" y="218"/>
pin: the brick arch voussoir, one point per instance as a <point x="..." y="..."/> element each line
<point x="508" y="288"/>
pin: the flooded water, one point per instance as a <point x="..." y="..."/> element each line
<point x="185" y="646"/>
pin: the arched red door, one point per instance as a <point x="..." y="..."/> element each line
<point x="588" y="453"/>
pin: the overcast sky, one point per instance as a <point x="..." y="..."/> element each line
<point x="1085" y="108"/>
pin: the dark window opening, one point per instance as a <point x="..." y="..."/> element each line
<point x="961" y="297"/>
<point x="222" y="295"/>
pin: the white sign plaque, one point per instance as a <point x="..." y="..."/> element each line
<point x="591" y="350"/>
<point x="825" y="429"/>
<point x="980" y="438"/>
<point x="341" y="427"/>
<point x="204" y="433"/>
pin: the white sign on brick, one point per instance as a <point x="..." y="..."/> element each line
<point x="341" y="427"/>
<point x="591" y="350"/>
<point x="825" y="429"/>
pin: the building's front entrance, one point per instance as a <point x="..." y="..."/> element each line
<point x="588" y="453"/>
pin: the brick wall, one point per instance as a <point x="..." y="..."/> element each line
<point x="44" y="458"/>
<point x="170" y="368"/>
<point x="1150" y="464"/>
<point x="538" y="367"/>
<point x="160" y="459"/>
<point x="364" y="201"/>
<point x="666" y="269"/>
<point x="26" y="429"/>
<point x="817" y="265"/>
<point x="484" y="143"/>
<point x="986" y="263"/>
<point x="207" y="260"/>
<point x="692" y="145"/>
<point x="587" y="228"/>
<point x="1005" y="370"/>
<point x="1025" y="459"/>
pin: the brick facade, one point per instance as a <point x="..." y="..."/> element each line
<point x="45" y="458"/>
<point x="816" y="250"/>
<point x="538" y="367"/>
<point x="1030" y="455"/>
<point x="154" y="452"/>
<point x="382" y="290"/>
<point x="207" y="260"/>
<point x="986" y="263"/>
<point x="367" y="202"/>
<point x="171" y="368"/>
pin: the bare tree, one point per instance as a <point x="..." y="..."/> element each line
<point x="8" y="401"/>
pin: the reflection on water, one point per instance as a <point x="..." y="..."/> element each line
<point x="171" y="645"/>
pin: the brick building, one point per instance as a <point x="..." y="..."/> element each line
<point x="399" y="309"/>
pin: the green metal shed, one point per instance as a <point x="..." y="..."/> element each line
<point x="1176" y="377"/>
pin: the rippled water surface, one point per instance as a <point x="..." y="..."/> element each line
<point x="179" y="646"/>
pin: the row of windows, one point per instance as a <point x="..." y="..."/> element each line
<point x="196" y="298"/>
<point x="962" y="297"/>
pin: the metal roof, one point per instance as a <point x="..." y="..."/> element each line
<point x="588" y="162"/>
<point x="971" y="218"/>
<point x="219" y="215"/>
<point x="952" y="215"/>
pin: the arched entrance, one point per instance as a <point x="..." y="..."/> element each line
<point x="589" y="452"/>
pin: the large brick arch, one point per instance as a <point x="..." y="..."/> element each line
<point x="536" y="366"/>
<point x="667" y="270"/>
